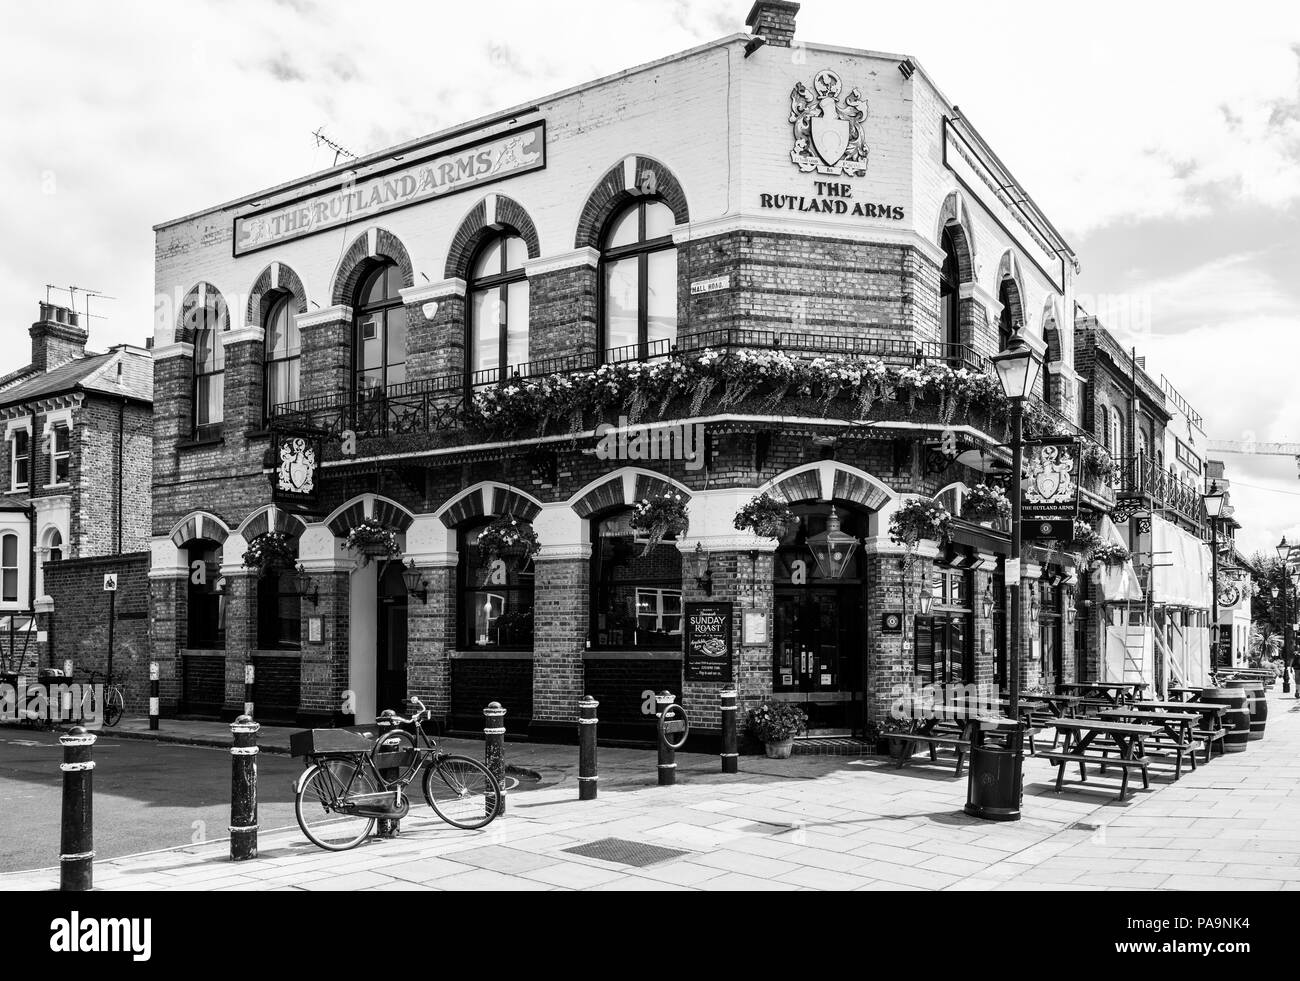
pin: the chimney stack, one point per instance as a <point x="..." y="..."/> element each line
<point x="57" y="337"/>
<point x="773" y="21"/>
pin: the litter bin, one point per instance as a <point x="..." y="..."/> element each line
<point x="995" y="786"/>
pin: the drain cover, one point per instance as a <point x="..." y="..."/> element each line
<point x="624" y="852"/>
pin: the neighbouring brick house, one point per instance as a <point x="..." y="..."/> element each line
<point x="75" y="470"/>
<point x="430" y="336"/>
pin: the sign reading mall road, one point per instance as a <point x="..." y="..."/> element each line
<point x="446" y="172"/>
<point x="708" y="641"/>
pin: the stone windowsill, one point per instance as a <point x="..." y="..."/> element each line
<point x="195" y="444"/>
<point x="646" y="654"/>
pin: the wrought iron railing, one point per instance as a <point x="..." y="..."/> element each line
<point x="1138" y="476"/>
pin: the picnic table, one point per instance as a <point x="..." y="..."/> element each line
<point x="1060" y="706"/>
<point x="1211" y="730"/>
<point x="1080" y="734"/>
<point x="1176" y="726"/>
<point x="1113" y="692"/>
<point x="932" y="733"/>
<point x="1188" y="693"/>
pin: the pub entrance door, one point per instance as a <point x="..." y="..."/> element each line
<point x="390" y="648"/>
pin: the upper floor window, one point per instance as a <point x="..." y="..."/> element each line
<point x="1006" y="323"/>
<point x="498" y="309"/>
<point x="379" y="333"/>
<point x="20" y="470"/>
<point x="60" y="454"/>
<point x="55" y="546"/>
<point x="9" y="568"/>
<point x="639" y="277"/>
<point x="283" y="352"/>
<point x="949" y="283"/>
<point x="1103" y="427"/>
<point x="1117" y="432"/>
<point x="207" y="318"/>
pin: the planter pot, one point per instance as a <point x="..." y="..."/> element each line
<point x="779" y="750"/>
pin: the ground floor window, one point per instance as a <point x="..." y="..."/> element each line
<point x="207" y="600"/>
<point x="944" y="652"/>
<point x="1048" y="604"/>
<point x="496" y="597"/>
<point x="279" y="610"/>
<point x="636" y="588"/>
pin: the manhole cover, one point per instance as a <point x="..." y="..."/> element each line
<point x="624" y="852"/>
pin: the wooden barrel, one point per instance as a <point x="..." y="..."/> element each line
<point x="1257" y="702"/>
<point x="1236" y="720"/>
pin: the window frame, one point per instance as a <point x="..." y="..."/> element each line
<point x="211" y="317"/>
<point x="501" y="281"/>
<point x="392" y="301"/>
<point x="603" y="581"/>
<point x="950" y="287"/>
<point x="282" y="302"/>
<point x="58" y="456"/>
<point x="641" y="249"/>
<point x="525" y="585"/>
<point x="14" y="456"/>
<point x="15" y="569"/>
<point x="1006" y="322"/>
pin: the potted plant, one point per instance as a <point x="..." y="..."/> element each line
<point x="985" y="504"/>
<point x="659" y="517"/>
<point x="372" y="539"/>
<point x="508" y="535"/>
<point x="920" y="519"/>
<point x="775" y="724"/>
<point x="765" y="517"/>
<point x="1110" y="554"/>
<point x="270" y="552"/>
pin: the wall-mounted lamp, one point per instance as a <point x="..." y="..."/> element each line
<point x="1034" y="610"/>
<point x="1069" y="611"/>
<point x="413" y="579"/>
<point x="703" y="569"/>
<point x="925" y="601"/>
<point x="304" y="582"/>
<point x="988" y="602"/>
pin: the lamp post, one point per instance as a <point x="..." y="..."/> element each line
<point x="1283" y="554"/>
<point x="1213" y="501"/>
<point x="994" y="782"/>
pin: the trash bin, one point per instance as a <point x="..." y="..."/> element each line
<point x="995" y="786"/>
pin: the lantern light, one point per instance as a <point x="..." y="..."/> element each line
<point x="304" y="582"/>
<point x="925" y="601"/>
<point x="1283" y="551"/>
<point x="832" y="548"/>
<point x="1017" y="367"/>
<point x="1213" y="499"/>
<point x="413" y="579"/>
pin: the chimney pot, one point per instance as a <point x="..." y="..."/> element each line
<point x="773" y="21"/>
<point x="57" y="337"/>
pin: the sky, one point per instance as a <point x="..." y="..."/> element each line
<point x="1163" y="140"/>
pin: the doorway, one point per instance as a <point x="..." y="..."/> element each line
<point x="390" y="646"/>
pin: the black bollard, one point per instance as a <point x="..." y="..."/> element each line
<point x="153" y="696"/>
<point x="730" y="749"/>
<point x="243" y="789"/>
<point x="587" y="778"/>
<point x="77" y="835"/>
<point x="494" y="750"/>
<point x="389" y="827"/>
<point x="667" y="755"/>
<point x="248" y="690"/>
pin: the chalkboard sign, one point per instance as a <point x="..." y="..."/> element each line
<point x="708" y="641"/>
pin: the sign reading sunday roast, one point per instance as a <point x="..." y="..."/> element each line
<point x="708" y="641"/>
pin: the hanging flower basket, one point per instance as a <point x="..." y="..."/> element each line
<point x="917" y="520"/>
<point x="372" y="539"/>
<point x="1110" y="554"/>
<point x="659" y="518"/>
<point x="984" y="502"/>
<point x="270" y="552"/>
<point x="765" y="517"/>
<point x="507" y="535"/>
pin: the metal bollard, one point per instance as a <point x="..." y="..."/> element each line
<point x="587" y="721"/>
<point x="77" y="835"/>
<point x="153" y="696"/>
<point x="494" y="749"/>
<point x="248" y="690"/>
<point x="243" y="789"/>
<point x="667" y="755"/>
<point x="730" y="750"/>
<point x="388" y="827"/>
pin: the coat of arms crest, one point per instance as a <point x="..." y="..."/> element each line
<point x="297" y="471"/>
<point x="828" y="132"/>
<point x="1051" y="476"/>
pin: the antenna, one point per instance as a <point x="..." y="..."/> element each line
<point x="321" y="138"/>
<point x="74" y="290"/>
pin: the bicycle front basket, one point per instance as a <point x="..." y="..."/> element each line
<point x="328" y="742"/>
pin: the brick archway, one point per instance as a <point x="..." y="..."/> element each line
<point x="614" y="190"/>
<point x="495" y="214"/>
<point x="276" y="279"/>
<point x="371" y="246"/>
<point x="199" y="294"/>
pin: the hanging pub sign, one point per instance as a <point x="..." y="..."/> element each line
<point x="1050" y="482"/>
<point x="293" y="481"/>
<point x="708" y="641"/>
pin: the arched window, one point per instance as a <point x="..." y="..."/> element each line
<point x="496" y="596"/>
<point x="205" y="597"/>
<point x="55" y="545"/>
<point x="1103" y="427"/>
<point x="9" y="568"/>
<point x="283" y="351"/>
<point x="639" y="277"/>
<point x="379" y="339"/>
<point x="207" y="319"/>
<point x="636" y="594"/>
<point x="498" y="309"/>
<point x="1006" y="323"/>
<point x="949" y="282"/>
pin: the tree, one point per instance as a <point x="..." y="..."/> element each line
<point x="1266" y="611"/>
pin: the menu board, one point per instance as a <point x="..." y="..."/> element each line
<point x="708" y="644"/>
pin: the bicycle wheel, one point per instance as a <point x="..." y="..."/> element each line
<point x="462" y="792"/>
<point x="114" y="706"/>
<point x="321" y="804"/>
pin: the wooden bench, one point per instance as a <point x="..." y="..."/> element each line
<point x="898" y="743"/>
<point x="1210" y="737"/>
<point x="1100" y="759"/>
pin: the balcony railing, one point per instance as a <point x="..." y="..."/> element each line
<point x="1139" y="477"/>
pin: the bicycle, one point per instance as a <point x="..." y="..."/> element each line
<point x="342" y="793"/>
<point x="112" y="701"/>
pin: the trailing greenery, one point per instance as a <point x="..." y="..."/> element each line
<point x="372" y="537"/>
<point x="269" y="552"/>
<point x="919" y="519"/>
<point x="765" y="517"/>
<point x="1110" y="554"/>
<point x="659" y="517"/>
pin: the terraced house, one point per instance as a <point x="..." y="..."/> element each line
<point x="474" y="417"/>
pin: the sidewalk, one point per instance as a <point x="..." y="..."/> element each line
<point x="809" y="822"/>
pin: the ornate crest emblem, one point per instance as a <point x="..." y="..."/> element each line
<point x="1051" y="476"/>
<point x="828" y="132"/>
<point x="297" y="470"/>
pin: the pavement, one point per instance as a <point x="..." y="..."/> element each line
<point x="831" y="823"/>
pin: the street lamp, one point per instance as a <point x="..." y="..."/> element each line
<point x="1283" y="554"/>
<point x="1213" y="500"/>
<point x="993" y="788"/>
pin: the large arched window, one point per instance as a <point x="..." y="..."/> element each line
<point x="496" y="596"/>
<point x="636" y="592"/>
<point x="207" y="319"/>
<point x="498" y="309"/>
<point x="639" y="277"/>
<point x="283" y="351"/>
<point x="379" y="338"/>
<point x="1006" y="322"/>
<point x="949" y="301"/>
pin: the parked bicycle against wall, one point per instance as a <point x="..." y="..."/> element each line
<point x="346" y="789"/>
<point x="112" y="698"/>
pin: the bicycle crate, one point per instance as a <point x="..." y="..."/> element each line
<point x="328" y="742"/>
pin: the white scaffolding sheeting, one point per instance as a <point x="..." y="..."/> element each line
<point x="1181" y="573"/>
<point x="1119" y="583"/>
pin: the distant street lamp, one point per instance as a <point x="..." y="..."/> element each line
<point x="1283" y="555"/>
<point x="1213" y="500"/>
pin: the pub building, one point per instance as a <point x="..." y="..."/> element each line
<point x="772" y="267"/>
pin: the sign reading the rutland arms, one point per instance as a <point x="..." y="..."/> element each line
<point x="1051" y="488"/>
<point x="293" y="481"/>
<point x="708" y="642"/>
<point x="440" y="173"/>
